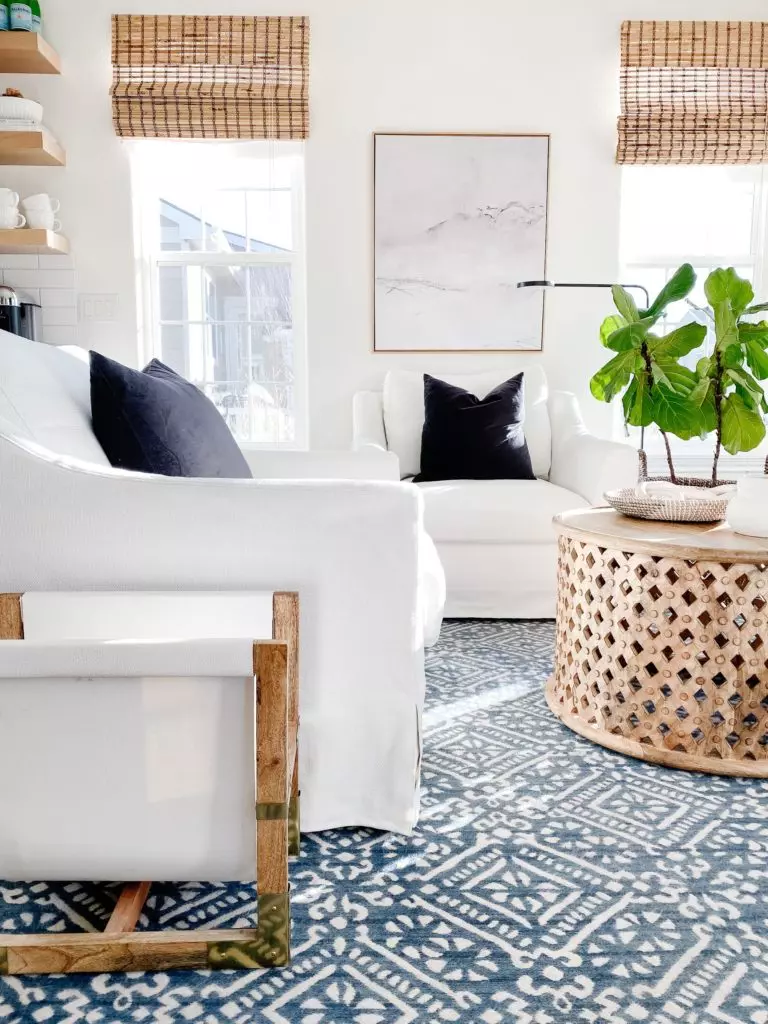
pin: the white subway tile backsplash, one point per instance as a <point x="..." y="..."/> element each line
<point x="59" y="315"/>
<point x="40" y="278"/>
<point x="49" y="281"/>
<point x="58" y="296"/>
<point x="60" y="335"/>
<point x="56" y="262"/>
<point x="18" y="261"/>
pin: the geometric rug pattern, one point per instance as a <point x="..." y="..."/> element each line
<point x="549" y="880"/>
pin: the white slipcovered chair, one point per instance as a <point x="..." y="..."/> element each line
<point x="369" y="581"/>
<point x="495" y="537"/>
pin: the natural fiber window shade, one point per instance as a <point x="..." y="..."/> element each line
<point x="693" y="92"/>
<point x="218" y="77"/>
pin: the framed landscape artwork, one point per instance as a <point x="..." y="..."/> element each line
<point x="459" y="221"/>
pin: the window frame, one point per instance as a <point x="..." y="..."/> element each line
<point x="150" y="258"/>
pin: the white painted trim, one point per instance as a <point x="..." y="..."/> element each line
<point x="150" y="258"/>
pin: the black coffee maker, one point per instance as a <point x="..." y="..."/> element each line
<point x="22" y="318"/>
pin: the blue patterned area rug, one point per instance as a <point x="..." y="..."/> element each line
<point x="550" y="880"/>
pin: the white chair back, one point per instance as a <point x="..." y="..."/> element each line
<point x="45" y="397"/>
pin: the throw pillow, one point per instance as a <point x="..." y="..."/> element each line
<point x="155" y="421"/>
<point x="470" y="438"/>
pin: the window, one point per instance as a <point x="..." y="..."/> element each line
<point x="710" y="216"/>
<point x="221" y="249"/>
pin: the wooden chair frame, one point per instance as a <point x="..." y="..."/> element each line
<point x="119" y="947"/>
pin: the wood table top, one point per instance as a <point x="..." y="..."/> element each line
<point x="694" y="541"/>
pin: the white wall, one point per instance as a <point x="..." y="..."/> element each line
<point x="377" y="65"/>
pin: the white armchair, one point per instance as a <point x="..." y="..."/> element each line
<point x="355" y="550"/>
<point x="494" y="537"/>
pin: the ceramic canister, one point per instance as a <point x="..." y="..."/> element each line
<point x="748" y="509"/>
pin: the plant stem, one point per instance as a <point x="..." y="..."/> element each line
<point x="672" y="474"/>
<point x="718" y="415"/>
<point x="648" y="369"/>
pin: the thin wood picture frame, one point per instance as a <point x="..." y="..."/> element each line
<point x="507" y="276"/>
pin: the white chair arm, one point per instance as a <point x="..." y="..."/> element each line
<point x="368" y="420"/>
<point x="30" y="659"/>
<point x="351" y="549"/>
<point x="66" y="526"/>
<point x="582" y="463"/>
<point x="369" y="463"/>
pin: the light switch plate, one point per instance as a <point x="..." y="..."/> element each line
<point x="100" y="307"/>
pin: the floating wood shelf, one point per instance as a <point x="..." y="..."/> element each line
<point x="31" y="149"/>
<point x="33" y="240"/>
<point x="27" y="53"/>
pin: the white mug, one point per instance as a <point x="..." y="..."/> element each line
<point x="41" y="201"/>
<point x="8" y="197"/>
<point x="11" y="218"/>
<point x="42" y="219"/>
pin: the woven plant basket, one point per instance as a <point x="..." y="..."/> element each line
<point x="639" y="506"/>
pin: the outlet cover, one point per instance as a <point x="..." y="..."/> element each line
<point x="97" y="307"/>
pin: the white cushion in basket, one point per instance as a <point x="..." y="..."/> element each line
<point x="45" y="396"/>
<point x="404" y="412"/>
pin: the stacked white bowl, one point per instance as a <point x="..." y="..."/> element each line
<point x="40" y="211"/>
<point x="9" y="210"/>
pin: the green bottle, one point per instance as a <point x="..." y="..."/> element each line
<point x="36" y="16"/>
<point x="4" y="15"/>
<point x="20" y="16"/>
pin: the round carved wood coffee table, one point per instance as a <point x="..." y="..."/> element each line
<point x="662" y="641"/>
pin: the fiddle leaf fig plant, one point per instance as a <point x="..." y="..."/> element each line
<point x="721" y="394"/>
<point x="733" y="389"/>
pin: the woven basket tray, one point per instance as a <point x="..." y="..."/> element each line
<point x="630" y="503"/>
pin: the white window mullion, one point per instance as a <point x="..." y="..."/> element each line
<point x="188" y="186"/>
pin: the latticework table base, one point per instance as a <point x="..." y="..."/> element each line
<point x="663" y="657"/>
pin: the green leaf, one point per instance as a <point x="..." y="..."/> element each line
<point x="732" y="356"/>
<point x="726" y="330"/>
<point x="675" y="409"/>
<point x="759" y="308"/>
<point x="625" y="304"/>
<point x="680" y="342"/>
<point x="703" y="366"/>
<point x="756" y="332"/>
<point x="631" y="336"/>
<point x="679" y="285"/>
<point x="746" y="381"/>
<point x="659" y="377"/>
<point x="701" y="392"/>
<point x="682" y="379"/>
<point x="675" y="414"/>
<point x="638" y="403"/>
<point x="750" y="400"/>
<point x="609" y="326"/>
<point x="614" y="376"/>
<point x="757" y="359"/>
<point x="743" y="429"/>
<point x="726" y="286"/>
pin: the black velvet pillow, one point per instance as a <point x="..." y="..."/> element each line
<point x="155" y="421"/>
<point x="468" y="438"/>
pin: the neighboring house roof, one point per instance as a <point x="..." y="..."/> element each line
<point x="189" y="226"/>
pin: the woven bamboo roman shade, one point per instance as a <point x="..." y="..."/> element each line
<point x="217" y="77"/>
<point x="693" y="92"/>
